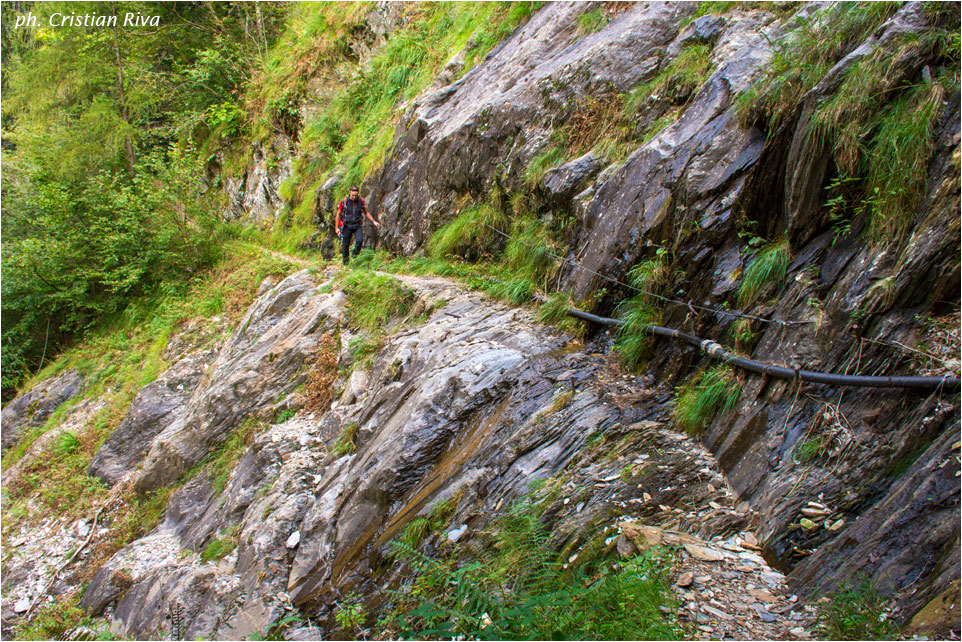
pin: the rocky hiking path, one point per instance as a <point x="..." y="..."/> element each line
<point x="476" y="399"/>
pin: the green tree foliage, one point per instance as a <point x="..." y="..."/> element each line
<point x="106" y="132"/>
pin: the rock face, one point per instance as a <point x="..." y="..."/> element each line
<point x="500" y="114"/>
<point x="265" y="359"/>
<point x="469" y="406"/>
<point x="692" y="190"/>
<point x="252" y="196"/>
<point x="36" y="405"/>
<point x="156" y="406"/>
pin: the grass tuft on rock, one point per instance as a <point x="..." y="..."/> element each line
<point x="374" y="299"/>
<point x="769" y="266"/>
<point x="713" y="391"/>
<point x="469" y="235"/>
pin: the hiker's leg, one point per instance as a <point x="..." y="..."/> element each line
<point x="345" y="243"/>
<point x="359" y="238"/>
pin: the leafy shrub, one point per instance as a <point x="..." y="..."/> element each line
<point x="856" y="613"/>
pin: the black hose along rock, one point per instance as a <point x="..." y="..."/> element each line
<point x="716" y="351"/>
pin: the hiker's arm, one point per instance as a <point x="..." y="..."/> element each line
<point x="376" y="224"/>
<point x="337" y="216"/>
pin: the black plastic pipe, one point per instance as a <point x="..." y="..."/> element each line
<point x="715" y="350"/>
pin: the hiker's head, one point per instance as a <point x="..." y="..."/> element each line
<point x="353" y="193"/>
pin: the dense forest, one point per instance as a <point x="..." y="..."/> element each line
<point x="106" y="133"/>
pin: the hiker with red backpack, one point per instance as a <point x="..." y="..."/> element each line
<point x="350" y="214"/>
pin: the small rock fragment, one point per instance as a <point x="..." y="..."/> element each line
<point x="808" y="524"/>
<point x="685" y="579"/>
<point x="294" y="539"/>
<point x="457" y="533"/>
<point x="836" y="525"/>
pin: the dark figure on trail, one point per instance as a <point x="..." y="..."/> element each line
<point x="350" y="213"/>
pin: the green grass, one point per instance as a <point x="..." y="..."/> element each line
<point x="52" y="620"/>
<point x="540" y="163"/>
<point x="855" y="613"/>
<point x="804" y="57"/>
<point x="374" y="299"/>
<point x="345" y="444"/>
<point x="878" y="123"/>
<point x="555" y="312"/>
<point x="709" y="393"/>
<point x="592" y="21"/>
<point x="516" y="291"/>
<point x="220" y="547"/>
<point x="810" y="449"/>
<point x="225" y="458"/>
<point x="633" y="342"/>
<point x="363" y="350"/>
<point x="354" y="130"/>
<point x="518" y="588"/>
<point x="532" y="250"/>
<point x="676" y="83"/>
<point x="468" y="235"/>
<point x="900" y="153"/>
<point x="650" y="276"/>
<point x="769" y="266"/>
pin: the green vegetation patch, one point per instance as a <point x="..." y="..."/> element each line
<point x="220" y="547"/>
<point x="519" y="589"/>
<point x="355" y="129"/>
<point x="555" y="312"/>
<point x="650" y="277"/>
<point x="593" y="20"/>
<point x="374" y="299"/>
<point x="470" y="234"/>
<point x="879" y="124"/>
<point x="709" y="393"/>
<point x="225" y="458"/>
<point x="856" y="613"/>
<point x="769" y="266"/>
<point x="345" y="444"/>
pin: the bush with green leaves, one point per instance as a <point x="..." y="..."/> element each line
<point x="856" y="613"/>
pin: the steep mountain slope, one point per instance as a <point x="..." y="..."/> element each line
<point x="724" y="169"/>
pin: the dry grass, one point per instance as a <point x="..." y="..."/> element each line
<point x="320" y="386"/>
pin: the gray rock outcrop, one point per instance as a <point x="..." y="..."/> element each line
<point x="34" y="406"/>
